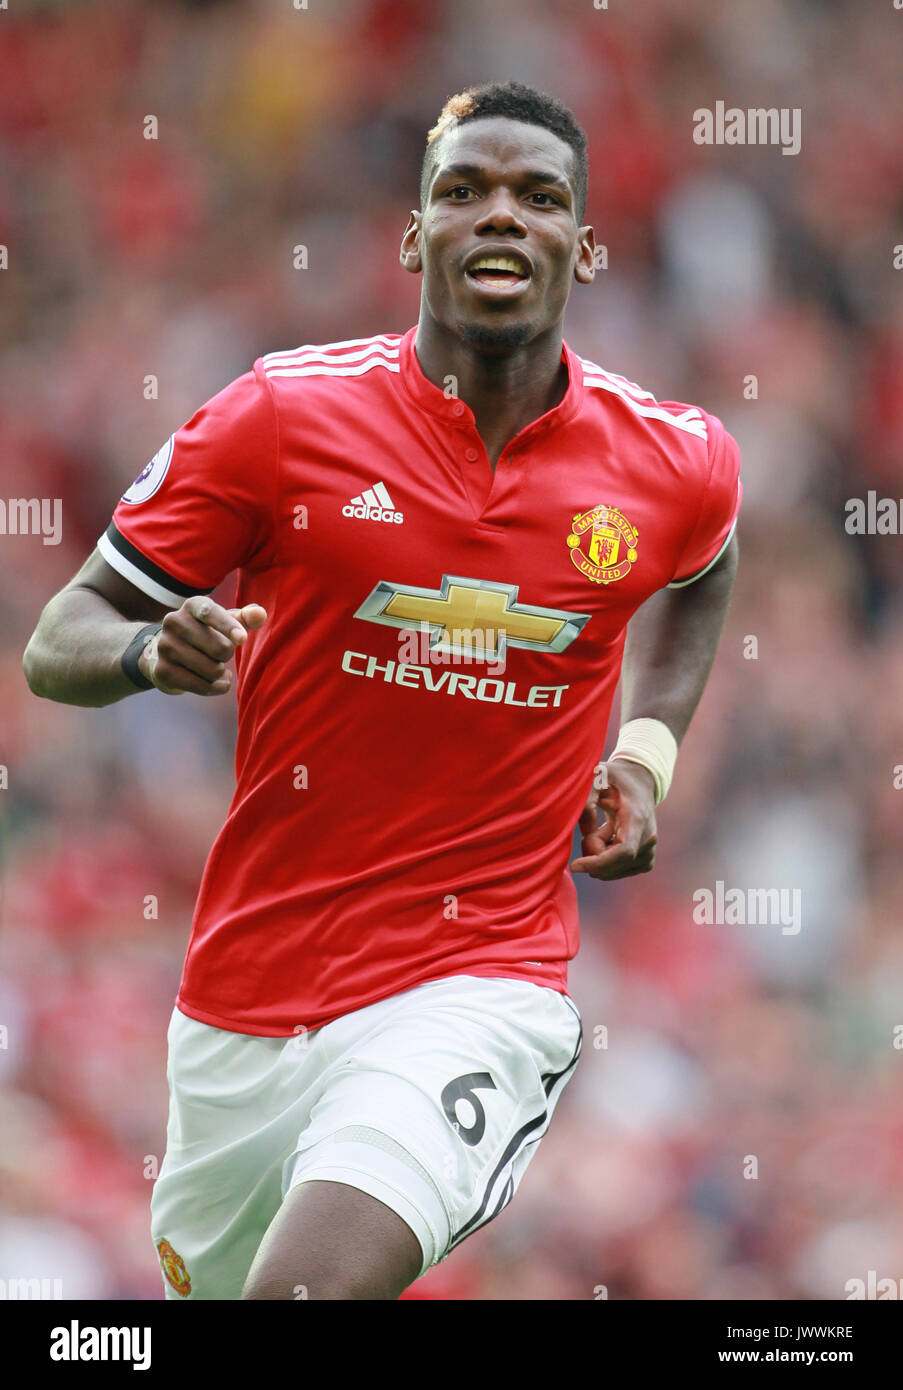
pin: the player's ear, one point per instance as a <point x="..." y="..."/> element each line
<point x="585" y="265"/>
<point x="410" y="245"/>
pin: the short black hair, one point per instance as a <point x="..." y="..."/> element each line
<point x="518" y="102"/>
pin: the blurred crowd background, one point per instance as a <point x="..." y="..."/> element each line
<point x="131" y="258"/>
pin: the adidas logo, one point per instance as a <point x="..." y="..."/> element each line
<point x="374" y="505"/>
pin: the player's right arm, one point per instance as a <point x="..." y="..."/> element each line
<point x="74" y="654"/>
<point x="205" y="505"/>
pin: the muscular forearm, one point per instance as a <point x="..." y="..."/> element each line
<point x="671" y="644"/>
<point x="75" y="651"/>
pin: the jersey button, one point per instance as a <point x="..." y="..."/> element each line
<point x="471" y="455"/>
<point x="458" y="408"/>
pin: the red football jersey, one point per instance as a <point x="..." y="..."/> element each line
<point x="420" y="717"/>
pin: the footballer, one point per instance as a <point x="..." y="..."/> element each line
<point x="450" y="544"/>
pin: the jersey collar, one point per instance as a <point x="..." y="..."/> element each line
<point x="435" y="402"/>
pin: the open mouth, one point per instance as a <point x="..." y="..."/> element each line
<point x="499" y="272"/>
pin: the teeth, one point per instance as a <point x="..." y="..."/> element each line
<point x="517" y="267"/>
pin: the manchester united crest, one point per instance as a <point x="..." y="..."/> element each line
<point x="603" y="544"/>
<point x="174" y="1268"/>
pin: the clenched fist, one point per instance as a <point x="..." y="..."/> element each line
<point x="624" y="843"/>
<point x="190" y="651"/>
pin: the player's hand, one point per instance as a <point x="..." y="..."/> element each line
<point x="190" y="652"/>
<point x="624" y="843"/>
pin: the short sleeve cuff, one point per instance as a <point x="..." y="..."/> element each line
<point x="127" y="560"/>
<point x="692" y="578"/>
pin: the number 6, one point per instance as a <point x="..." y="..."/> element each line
<point x="463" y="1088"/>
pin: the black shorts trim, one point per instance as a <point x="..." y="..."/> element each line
<point x="519" y="1141"/>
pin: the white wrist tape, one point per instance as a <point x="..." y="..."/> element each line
<point x="650" y="743"/>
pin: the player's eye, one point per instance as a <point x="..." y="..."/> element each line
<point x="458" y="188"/>
<point x="540" y="194"/>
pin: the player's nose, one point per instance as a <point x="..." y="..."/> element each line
<point x="500" y="213"/>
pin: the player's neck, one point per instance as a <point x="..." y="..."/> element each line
<point x="505" y="392"/>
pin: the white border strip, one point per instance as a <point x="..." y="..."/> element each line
<point x="389" y="340"/>
<point x="298" y="359"/>
<point x="321" y="369"/>
<point x="136" y="576"/>
<point x="682" y="583"/>
<point x="691" y="421"/>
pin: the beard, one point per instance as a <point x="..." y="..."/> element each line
<point x="485" y="338"/>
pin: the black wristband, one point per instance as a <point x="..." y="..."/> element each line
<point x="133" y="651"/>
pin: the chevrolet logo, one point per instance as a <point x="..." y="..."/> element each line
<point x="477" y="618"/>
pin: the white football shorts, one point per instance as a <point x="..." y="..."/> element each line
<point x="432" y="1100"/>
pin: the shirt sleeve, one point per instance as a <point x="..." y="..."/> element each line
<point x="206" y="503"/>
<point x="717" y="519"/>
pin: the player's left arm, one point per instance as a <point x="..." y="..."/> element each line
<point x="671" y="643"/>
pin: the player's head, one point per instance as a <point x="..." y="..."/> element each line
<point x="504" y="175"/>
